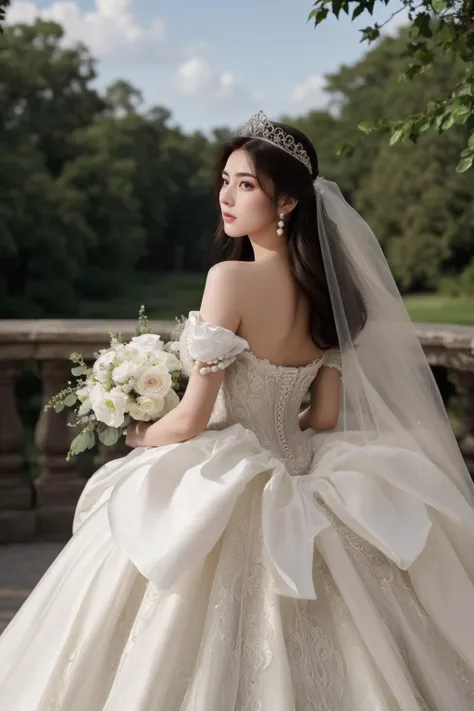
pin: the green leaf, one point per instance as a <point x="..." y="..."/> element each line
<point x="439" y="5"/>
<point x="464" y="164"/>
<point x="425" y="126"/>
<point x="341" y="148"/>
<point x="358" y="11"/>
<point x="70" y="400"/>
<point x="84" y="440"/>
<point x="396" y="136"/>
<point x="422" y="23"/>
<point x="319" y="15"/>
<point x="412" y="71"/>
<point x="59" y="407"/>
<point x="366" y="127"/>
<point x="78" y="371"/>
<point x="461" y="113"/>
<point x="466" y="91"/>
<point x="370" y="34"/>
<point x="110" y="436"/>
<point x="470" y="142"/>
<point x="337" y="6"/>
<point x="447" y="123"/>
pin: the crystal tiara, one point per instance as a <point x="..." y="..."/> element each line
<point x="258" y="126"/>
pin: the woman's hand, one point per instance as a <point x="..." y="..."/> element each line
<point x="136" y="434"/>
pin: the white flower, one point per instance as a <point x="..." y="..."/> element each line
<point x="128" y="353"/>
<point x="108" y="407"/>
<point x="152" y="406"/>
<point x="153" y="382"/>
<point x="171" y="400"/>
<point x="101" y="366"/>
<point x="148" y="341"/>
<point x="84" y="408"/>
<point x="167" y="361"/>
<point x="138" y="414"/>
<point x="83" y="393"/>
<point x="125" y="371"/>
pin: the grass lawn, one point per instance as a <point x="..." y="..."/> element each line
<point x="438" y="308"/>
<point x="168" y="295"/>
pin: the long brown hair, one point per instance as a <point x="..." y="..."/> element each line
<point x="280" y="174"/>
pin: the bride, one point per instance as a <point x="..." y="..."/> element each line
<point x="249" y="556"/>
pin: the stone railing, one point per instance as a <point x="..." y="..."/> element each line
<point x="45" y="509"/>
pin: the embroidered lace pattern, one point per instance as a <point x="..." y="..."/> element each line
<point x="266" y="399"/>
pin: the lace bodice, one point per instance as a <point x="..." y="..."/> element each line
<point x="262" y="397"/>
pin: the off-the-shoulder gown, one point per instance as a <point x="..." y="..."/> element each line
<point x="254" y="567"/>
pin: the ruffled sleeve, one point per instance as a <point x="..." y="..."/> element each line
<point x="211" y="347"/>
<point x="332" y="359"/>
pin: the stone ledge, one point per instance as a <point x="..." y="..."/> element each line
<point x="56" y="339"/>
<point x="448" y="346"/>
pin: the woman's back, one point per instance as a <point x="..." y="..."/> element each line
<point x="275" y="313"/>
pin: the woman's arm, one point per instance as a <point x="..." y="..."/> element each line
<point x="219" y="306"/>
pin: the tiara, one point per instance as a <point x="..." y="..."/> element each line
<point x="258" y="126"/>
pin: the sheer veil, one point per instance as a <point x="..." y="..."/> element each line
<point x="389" y="394"/>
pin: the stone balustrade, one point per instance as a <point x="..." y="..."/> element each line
<point x="44" y="509"/>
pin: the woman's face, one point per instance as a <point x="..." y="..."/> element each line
<point x="246" y="209"/>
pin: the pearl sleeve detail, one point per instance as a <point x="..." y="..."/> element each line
<point x="212" y="348"/>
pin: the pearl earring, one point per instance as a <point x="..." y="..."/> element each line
<point x="281" y="225"/>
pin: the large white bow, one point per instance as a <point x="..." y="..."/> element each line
<point x="170" y="509"/>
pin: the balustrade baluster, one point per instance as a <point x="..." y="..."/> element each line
<point x="17" y="517"/>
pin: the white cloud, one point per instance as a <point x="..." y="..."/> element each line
<point x="197" y="79"/>
<point x="111" y="30"/>
<point x="310" y="93"/>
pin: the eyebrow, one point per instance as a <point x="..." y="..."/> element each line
<point x="241" y="175"/>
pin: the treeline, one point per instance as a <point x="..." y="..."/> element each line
<point x="96" y="194"/>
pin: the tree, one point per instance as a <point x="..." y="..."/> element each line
<point x="439" y="31"/>
<point x="420" y="209"/>
<point x="3" y="9"/>
<point x="43" y="234"/>
<point x="47" y="89"/>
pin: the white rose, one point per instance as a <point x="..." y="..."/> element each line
<point x="108" y="407"/>
<point x="152" y="406"/>
<point x="153" y="382"/>
<point x="138" y="414"/>
<point x="148" y="341"/>
<point x="171" y="400"/>
<point x="167" y="361"/>
<point x="125" y="371"/>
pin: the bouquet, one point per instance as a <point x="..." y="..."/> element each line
<point x="136" y="381"/>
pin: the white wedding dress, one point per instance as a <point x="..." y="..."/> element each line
<point x="253" y="568"/>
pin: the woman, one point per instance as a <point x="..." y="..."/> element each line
<point x="249" y="556"/>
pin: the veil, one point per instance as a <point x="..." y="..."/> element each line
<point x="389" y="394"/>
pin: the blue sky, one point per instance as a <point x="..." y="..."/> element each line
<point x="212" y="63"/>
